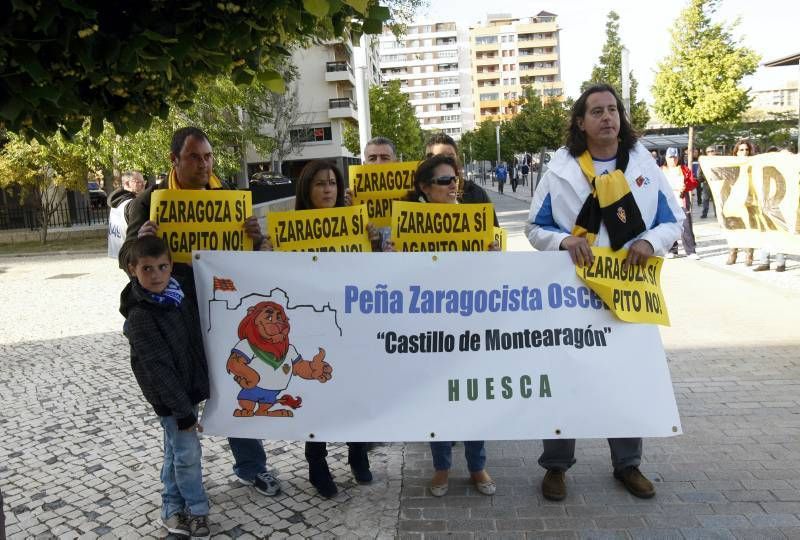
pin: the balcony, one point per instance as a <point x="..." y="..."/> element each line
<point x="339" y="71"/>
<point x="342" y="108"/>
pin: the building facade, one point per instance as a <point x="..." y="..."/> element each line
<point x="325" y="86"/>
<point x="431" y="61"/>
<point x="509" y="53"/>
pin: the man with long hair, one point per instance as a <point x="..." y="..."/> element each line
<point x="602" y="189"/>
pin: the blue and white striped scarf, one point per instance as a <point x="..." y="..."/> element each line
<point x="171" y="296"/>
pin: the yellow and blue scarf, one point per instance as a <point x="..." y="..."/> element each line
<point x="213" y="181"/>
<point x="611" y="203"/>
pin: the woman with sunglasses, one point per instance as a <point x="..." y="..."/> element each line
<point x="742" y="148"/>
<point x="321" y="185"/>
<point x="436" y="181"/>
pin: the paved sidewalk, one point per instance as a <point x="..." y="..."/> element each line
<point x="79" y="451"/>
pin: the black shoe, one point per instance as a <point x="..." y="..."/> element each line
<point x="320" y="477"/>
<point x="359" y="463"/>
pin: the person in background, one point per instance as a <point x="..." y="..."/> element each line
<point x="682" y="181"/>
<point x="501" y="173"/>
<point x="764" y="254"/>
<point x="379" y="150"/>
<point x="742" y="148"/>
<point x="701" y="177"/>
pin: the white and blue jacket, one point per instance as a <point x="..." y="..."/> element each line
<point x="563" y="189"/>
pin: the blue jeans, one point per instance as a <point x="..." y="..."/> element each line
<point x="474" y="451"/>
<point x="182" y="472"/>
<point x="249" y="458"/>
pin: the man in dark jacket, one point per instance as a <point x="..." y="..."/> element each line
<point x="192" y="168"/>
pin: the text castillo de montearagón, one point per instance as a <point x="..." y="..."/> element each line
<point x="465" y="302"/>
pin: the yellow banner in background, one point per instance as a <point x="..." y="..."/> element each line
<point x="501" y="237"/>
<point x="330" y="229"/>
<point x="634" y="293"/>
<point x="190" y="220"/>
<point x="376" y="186"/>
<point x="441" y="227"/>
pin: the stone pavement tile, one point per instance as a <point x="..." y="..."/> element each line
<point x="707" y="534"/>
<point x="775" y="520"/>
<point x="521" y="524"/>
<point x="759" y="534"/>
<point x="655" y="534"/>
<point x="552" y="535"/>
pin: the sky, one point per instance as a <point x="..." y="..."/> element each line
<point x="767" y="26"/>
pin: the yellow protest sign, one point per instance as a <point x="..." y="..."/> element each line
<point x="376" y="186"/>
<point x="329" y="229"/>
<point x="190" y="220"/>
<point x="441" y="227"/>
<point x="633" y="293"/>
<point x="501" y="237"/>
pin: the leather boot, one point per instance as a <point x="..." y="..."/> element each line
<point x="635" y="482"/>
<point x="554" y="487"/>
<point x="358" y="460"/>
<point x="320" y="477"/>
<point x="732" y="256"/>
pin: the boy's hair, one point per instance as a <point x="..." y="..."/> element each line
<point x="147" y="246"/>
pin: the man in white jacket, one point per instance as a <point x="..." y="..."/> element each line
<point x="602" y="189"/>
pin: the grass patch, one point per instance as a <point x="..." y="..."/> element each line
<point x="52" y="246"/>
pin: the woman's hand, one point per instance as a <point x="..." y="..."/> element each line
<point x="494" y="246"/>
<point x="388" y="247"/>
<point x="348" y="197"/>
<point x="374" y="237"/>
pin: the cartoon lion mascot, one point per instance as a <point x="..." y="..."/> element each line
<point x="263" y="362"/>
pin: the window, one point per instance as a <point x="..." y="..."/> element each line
<point x="309" y="134"/>
<point x="490" y="97"/>
<point x="485" y="40"/>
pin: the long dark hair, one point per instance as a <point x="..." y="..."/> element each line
<point x="576" y="138"/>
<point x="303" y="192"/>
<point x="751" y="148"/>
<point x="424" y="174"/>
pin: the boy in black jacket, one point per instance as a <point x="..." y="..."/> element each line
<point x="169" y="363"/>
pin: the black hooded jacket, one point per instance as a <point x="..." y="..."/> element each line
<point x="167" y="355"/>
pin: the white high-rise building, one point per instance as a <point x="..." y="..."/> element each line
<point x="325" y="83"/>
<point x="432" y="63"/>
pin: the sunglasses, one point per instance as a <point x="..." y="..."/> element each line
<point x="444" y="180"/>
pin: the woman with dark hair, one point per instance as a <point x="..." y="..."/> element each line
<point x="321" y="185"/>
<point x="436" y="181"/>
<point x="742" y="148"/>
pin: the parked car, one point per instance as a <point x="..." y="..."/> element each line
<point x="269" y="179"/>
<point x="97" y="197"/>
<point x="266" y="186"/>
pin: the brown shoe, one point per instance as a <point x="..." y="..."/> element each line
<point x="781" y="268"/>
<point x="748" y="259"/>
<point x="635" y="482"/>
<point x="731" y="257"/>
<point x="761" y="268"/>
<point x="554" y="488"/>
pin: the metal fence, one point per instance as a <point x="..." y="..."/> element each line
<point x="65" y="216"/>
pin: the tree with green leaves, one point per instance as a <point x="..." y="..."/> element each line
<point x="698" y="83"/>
<point x="44" y="172"/>
<point x="538" y="124"/>
<point x="391" y="116"/>
<point x="609" y="70"/>
<point x="63" y="61"/>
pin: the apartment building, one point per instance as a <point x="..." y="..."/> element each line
<point x="326" y="91"/>
<point x="431" y="61"/>
<point x="509" y="53"/>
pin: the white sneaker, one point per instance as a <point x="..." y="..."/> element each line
<point x="669" y="255"/>
<point x="693" y="256"/>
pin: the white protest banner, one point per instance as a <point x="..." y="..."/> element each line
<point x="756" y="199"/>
<point x="117" y="228"/>
<point x="422" y="346"/>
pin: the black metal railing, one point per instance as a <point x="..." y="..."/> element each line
<point x="27" y="217"/>
<point x="340" y="103"/>
<point x="332" y="67"/>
